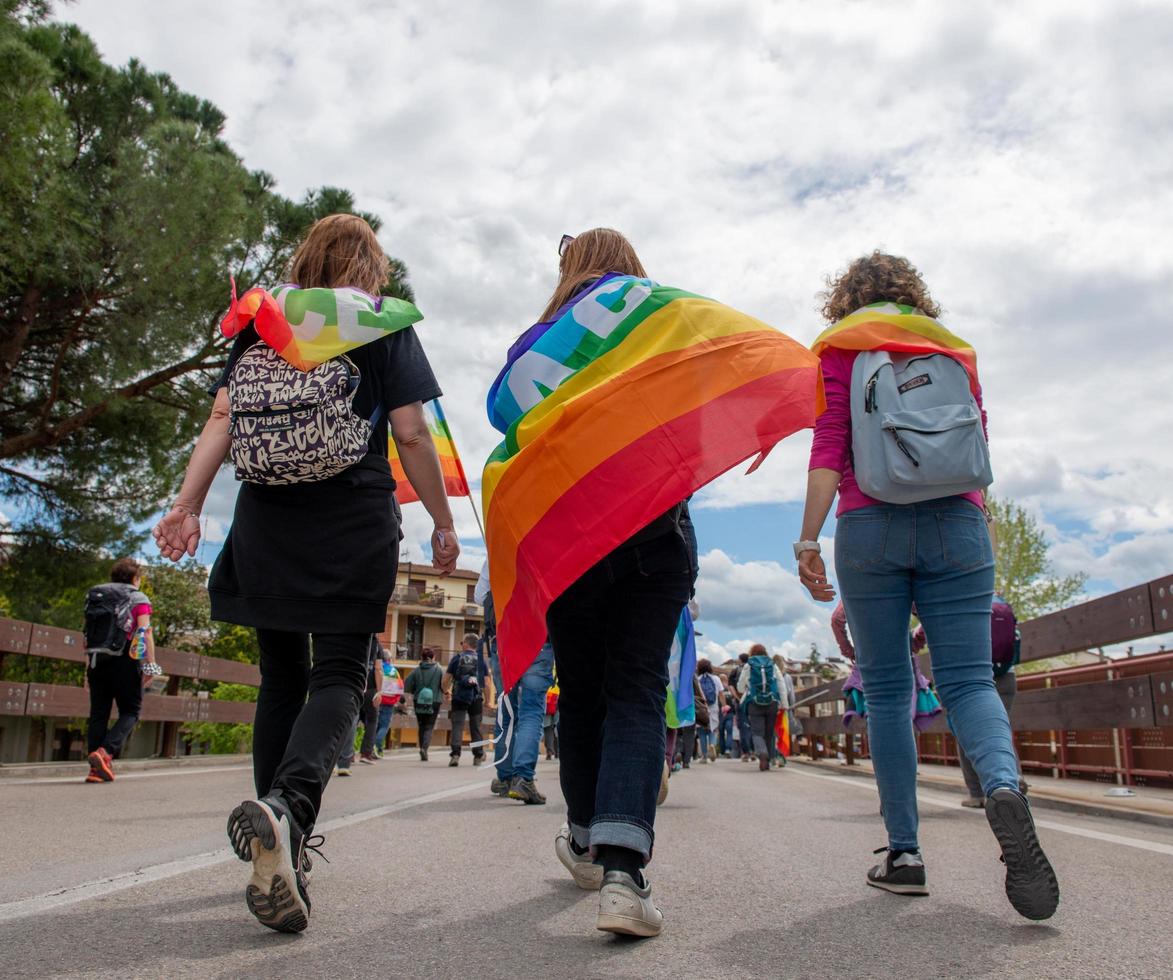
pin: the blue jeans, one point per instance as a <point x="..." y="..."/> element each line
<point x="528" y="699"/>
<point x="386" y="715"/>
<point x="725" y="733"/>
<point x="706" y="736"/>
<point x="937" y="555"/>
<point x="612" y="632"/>
<point x="743" y="726"/>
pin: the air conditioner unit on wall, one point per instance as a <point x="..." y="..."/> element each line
<point x="447" y="623"/>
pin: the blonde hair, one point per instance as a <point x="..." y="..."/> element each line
<point x="340" y="250"/>
<point x="876" y="278"/>
<point x="592" y="254"/>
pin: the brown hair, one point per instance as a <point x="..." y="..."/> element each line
<point x="471" y="640"/>
<point x="704" y="666"/>
<point x="757" y="650"/>
<point x="428" y="653"/>
<point x="340" y="250"/>
<point x="592" y="254"/>
<point x="125" y="570"/>
<point x="876" y="278"/>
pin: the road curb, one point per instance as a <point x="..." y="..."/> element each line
<point x="1038" y="800"/>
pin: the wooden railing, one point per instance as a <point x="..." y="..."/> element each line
<point x="1124" y="701"/>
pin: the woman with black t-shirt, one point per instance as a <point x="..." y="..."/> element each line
<point x="313" y="559"/>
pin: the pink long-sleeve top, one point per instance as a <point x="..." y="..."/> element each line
<point x="831" y="448"/>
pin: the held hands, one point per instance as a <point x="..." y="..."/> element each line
<point x="445" y="549"/>
<point x="813" y="574"/>
<point x="177" y="534"/>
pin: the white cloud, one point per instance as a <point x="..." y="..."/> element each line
<point x="1018" y="153"/>
<point x="741" y="595"/>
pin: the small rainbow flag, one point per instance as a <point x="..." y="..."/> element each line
<point x="678" y="709"/>
<point x="896" y="327"/>
<point x="633" y="397"/>
<point x="307" y="327"/>
<point x="455" y="482"/>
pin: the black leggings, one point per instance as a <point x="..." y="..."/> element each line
<point x="304" y="712"/>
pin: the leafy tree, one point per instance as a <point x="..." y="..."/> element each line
<point x="222" y="738"/>
<point x="181" y="613"/>
<point x="122" y="214"/>
<point x="1024" y="574"/>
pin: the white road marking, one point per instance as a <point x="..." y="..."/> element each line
<point x="73" y="894"/>
<point x="157" y="773"/>
<point x="858" y="782"/>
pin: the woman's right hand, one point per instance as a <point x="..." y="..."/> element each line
<point x="813" y="574"/>
<point x="177" y="534"/>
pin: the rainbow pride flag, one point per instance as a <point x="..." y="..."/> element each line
<point x="455" y="482"/>
<point x="896" y="327"/>
<point x="679" y="709"/>
<point x="633" y="397"/>
<point x="307" y="327"/>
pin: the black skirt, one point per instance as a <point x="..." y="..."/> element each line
<point x="311" y="557"/>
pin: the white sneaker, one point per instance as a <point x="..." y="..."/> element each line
<point x="587" y="875"/>
<point x="626" y="907"/>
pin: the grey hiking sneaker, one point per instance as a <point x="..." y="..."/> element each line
<point x="499" y="787"/>
<point x="263" y="831"/>
<point x="587" y="875"/>
<point x="526" y="791"/>
<point x="625" y="906"/>
<point x="902" y="875"/>
<point x="1031" y="884"/>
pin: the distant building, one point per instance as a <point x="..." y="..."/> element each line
<point x="430" y="610"/>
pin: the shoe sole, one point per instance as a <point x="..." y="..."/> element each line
<point x="1031" y="885"/>
<point x="99" y="764"/>
<point x="272" y="895"/>
<point x="93" y="777"/>
<point x="898" y="889"/>
<point x="527" y="800"/>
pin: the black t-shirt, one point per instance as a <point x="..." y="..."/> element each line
<point x="394" y="372"/>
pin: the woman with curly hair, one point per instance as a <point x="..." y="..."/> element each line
<point x="913" y="546"/>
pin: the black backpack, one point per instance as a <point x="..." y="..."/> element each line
<point x="467" y="687"/>
<point x="108" y="619"/>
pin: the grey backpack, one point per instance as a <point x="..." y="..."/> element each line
<point x="916" y="431"/>
<point x="293" y="426"/>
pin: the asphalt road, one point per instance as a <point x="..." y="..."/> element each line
<point x="759" y="875"/>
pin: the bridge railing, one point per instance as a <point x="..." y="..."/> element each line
<point x="172" y="708"/>
<point x="1112" y="720"/>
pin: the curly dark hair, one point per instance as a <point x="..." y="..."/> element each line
<point x="877" y="278"/>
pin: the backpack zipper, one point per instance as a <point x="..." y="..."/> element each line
<point x="903" y="448"/>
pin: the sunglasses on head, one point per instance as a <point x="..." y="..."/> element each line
<point x="564" y="244"/>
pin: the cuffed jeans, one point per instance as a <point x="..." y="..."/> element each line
<point x="304" y="713"/>
<point x="612" y="632"/>
<point x="937" y="555"/>
<point x="528" y="700"/>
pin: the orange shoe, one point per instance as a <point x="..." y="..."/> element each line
<point x="94" y="777"/>
<point x="101" y="763"/>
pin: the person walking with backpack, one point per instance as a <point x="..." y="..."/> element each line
<point x="902" y="442"/>
<point x="120" y="661"/>
<point x="713" y="691"/>
<point x="423" y="686"/>
<point x="761" y="684"/>
<point x="464" y="686"/>
<point x="321" y="372"/>
<point x="390" y="695"/>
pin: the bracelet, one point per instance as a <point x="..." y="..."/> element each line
<point x="186" y="510"/>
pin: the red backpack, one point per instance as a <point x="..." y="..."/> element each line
<point x="1005" y="642"/>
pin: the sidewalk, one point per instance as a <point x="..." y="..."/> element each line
<point x="1150" y="805"/>
<point x="55" y="770"/>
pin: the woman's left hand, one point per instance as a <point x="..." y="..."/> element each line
<point x="177" y="534"/>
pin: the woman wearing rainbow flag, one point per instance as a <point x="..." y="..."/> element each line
<point x="625" y="398"/>
<point x="314" y="543"/>
<point x="904" y="419"/>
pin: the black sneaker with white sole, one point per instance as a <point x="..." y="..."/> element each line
<point x="903" y="874"/>
<point x="264" y="832"/>
<point x="1031" y="884"/>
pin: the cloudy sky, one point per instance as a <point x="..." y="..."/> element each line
<point x="1020" y="153"/>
